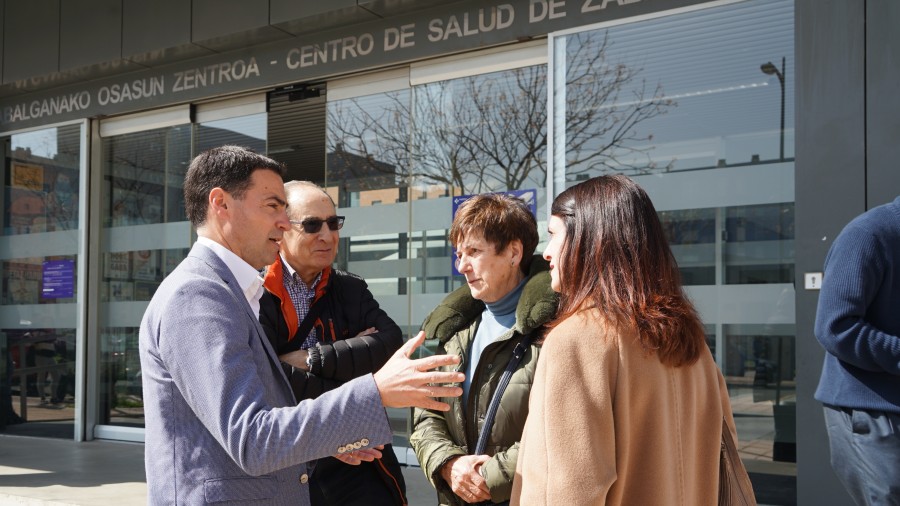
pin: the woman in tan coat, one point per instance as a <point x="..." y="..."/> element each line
<point x="627" y="402"/>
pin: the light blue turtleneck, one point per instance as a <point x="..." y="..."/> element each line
<point x="496" y="319"/>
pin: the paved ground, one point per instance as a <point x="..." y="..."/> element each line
<point x="50" y="471"/>
<point x="60" y="472"/>
<point x="56" y="472"/>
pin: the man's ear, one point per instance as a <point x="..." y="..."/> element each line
<point x="218" y="200"/>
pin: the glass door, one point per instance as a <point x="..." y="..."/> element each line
<point x="42" y="291"/>
<point x="404" y="145"/>
<point x="144" y="233"/>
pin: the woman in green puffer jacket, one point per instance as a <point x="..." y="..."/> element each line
<point x="506" y="298"/>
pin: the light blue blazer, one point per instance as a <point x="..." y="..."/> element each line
<point x="221" y="420"/>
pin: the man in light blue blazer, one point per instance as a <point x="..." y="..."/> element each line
<point x="222" y="424"/>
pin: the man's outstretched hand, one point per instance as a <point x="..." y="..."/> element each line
<point x="404" y="382"/>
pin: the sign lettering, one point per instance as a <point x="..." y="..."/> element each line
<point x="474" y="24"/>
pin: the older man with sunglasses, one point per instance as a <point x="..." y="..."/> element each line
<point x="327" y="329"/>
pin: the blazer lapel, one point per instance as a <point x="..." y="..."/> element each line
<point x="218" y="266"/>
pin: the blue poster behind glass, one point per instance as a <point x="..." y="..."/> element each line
<point x="529" y="196"/>
<point x="58" y="279"/>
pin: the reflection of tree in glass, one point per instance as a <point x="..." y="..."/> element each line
<point x="368" y="142"/>
<point x="605" y="101"/>
<point x="136" y="175"/>
<point x="489" y="132"/>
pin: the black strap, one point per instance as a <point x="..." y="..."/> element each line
<point x="303" y="330"/>
<point x="517" y="355"/>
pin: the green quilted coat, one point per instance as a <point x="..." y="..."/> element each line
<point x="437" y="436"/>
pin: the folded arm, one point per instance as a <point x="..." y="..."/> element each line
<point x="376" y="338"/>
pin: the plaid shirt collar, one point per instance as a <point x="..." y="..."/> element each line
<point x="302" y="296"/>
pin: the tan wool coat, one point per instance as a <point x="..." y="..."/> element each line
<point x="609" y="424"/>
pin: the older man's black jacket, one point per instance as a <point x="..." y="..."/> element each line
<point x="345" y="307"/>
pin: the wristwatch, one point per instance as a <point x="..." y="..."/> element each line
<point x="314" y="357"/>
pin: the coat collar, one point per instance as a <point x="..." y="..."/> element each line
<point x="273" y="281"/>
<point x="459" y="309"/>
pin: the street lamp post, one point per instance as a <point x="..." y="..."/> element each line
<point x="770" y="69"/>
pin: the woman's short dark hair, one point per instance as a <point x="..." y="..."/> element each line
<point x="499" y="219"/>
<point x="227" y="167"/>
<point x="616" y="258"/>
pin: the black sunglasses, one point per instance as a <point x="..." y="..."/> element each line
<point x="313" y="225"/>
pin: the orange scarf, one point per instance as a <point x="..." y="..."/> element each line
<point x="274" y="283"/>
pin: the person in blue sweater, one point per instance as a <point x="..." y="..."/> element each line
<point x="858" y="324"/>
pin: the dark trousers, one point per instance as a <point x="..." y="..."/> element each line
<point x="865" y="453"/>
<point x="378" y="483"/>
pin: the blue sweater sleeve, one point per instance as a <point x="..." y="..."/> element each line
<point x="854" y="298"/>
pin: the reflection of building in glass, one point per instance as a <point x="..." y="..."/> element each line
<point x="357" y="180"/>
<point x="361" y="178"/>
<point x="144" y="172"/>
<point x="42" y="194"/>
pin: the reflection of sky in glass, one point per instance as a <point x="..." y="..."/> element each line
<point x="41" y="142"/>
<point x="708" y="62"/>
<point x="253" y="125"/>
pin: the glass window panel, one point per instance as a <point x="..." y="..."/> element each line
<point x="761" y="376"/>
<point x="42" y="394"/>
<point x="642" y="100"/>
<point x="146" y="236"/>
<point x="368" y="149"/>
<point x="121" y="396"/>
<point x="42" y="182"/>
<point x="480" y="134"/>
<point x="397" y="159"/>
<point x="39" y="266"/>
<point x="137" y="169"/>
<point x="760" y="244"/>
<point x="367" y="163"/>
<point x="692" y="236"/>
<point x="143" y="174"/>
<point x="247" y="131"/>
<point x="697" y="107"/>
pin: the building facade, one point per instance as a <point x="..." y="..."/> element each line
<point x="758" y="127"/>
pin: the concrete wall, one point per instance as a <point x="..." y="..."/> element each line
<point x="104" y="37"/>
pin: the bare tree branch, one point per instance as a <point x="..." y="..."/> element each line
<point x="489" y="132"/>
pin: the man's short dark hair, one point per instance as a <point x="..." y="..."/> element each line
<point x="227" y="167"/>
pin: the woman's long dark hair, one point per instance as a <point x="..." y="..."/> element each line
<point x="616" y="258"/>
